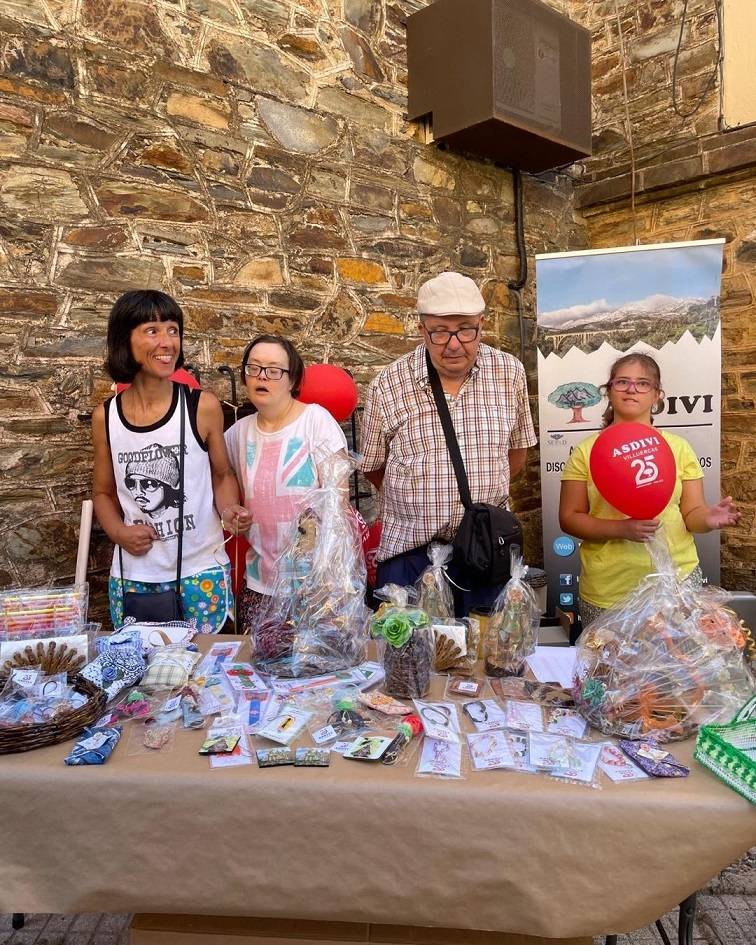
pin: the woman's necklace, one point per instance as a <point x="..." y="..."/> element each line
<point x="273" y="426"/>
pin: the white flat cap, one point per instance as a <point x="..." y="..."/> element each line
<point x="450" y="294"/>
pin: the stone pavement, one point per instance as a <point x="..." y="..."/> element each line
<point x="726" y="916"/>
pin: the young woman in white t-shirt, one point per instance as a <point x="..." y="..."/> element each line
<point x="275" y="454"/>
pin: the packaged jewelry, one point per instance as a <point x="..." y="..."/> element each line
<point x="275" y="757"/>
<point x="434" y="593"/>
<point x="368" y="747"/>
<point x="525" y="716"/>
<point x="618" y="767"/>
<point x="561" y="721"/>
<point x="564" y="757"/>
<point x="284" y="728"/>
<point x="665" y="660"/>
<point x="219" y="744"/>
<point x="408" y="655"/>
<point x="317" y="621"/>
<point x="94" y="746"/>
<point x="463" y="687"/>
<point x="440" y="759"/>
<point x="440" y="720"/>
<point x="409" y="727"/>
<point x="518" y="743"/>
<point x="513" y="626"/>
<point x="489" y="750"/>
<point x="485" y="714"/>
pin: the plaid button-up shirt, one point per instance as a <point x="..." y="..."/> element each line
<point x="401" y="430"/>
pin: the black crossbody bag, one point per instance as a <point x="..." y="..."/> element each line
<point x="486" y="533"/>
<point x="161" y="606"/>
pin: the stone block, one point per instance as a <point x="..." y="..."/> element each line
<point x="41" y="194"/>
<point x="211" y="113"/>
<point x="247" y="62"/>
<point x="383" y="324"/>
<point x="434" y="175"/>
<point x="95" y="237"/>
<point x="127" y="24"/>
<point x="360" y="270"/>
<point x="263" y="272"/>
<point x="12" y="86"/>
<point x="304" y="47"/>
<point x="27" y="301"/>
<point x="297" y="129"/>
<point x="361" y="54"/>
<point x="361" y="110"/>
<point x="131" y="199"/>
<point x="110" y="273"/>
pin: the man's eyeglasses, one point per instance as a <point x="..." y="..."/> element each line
<point x="642" y="386"/>
<point x="271" y="373"/>
<point x="442" y="336"/>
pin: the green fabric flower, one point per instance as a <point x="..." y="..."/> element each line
<point x="397" y="626"/>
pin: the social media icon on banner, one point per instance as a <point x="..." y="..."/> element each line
<point x="565" y="580"/>
<point x="566" y="600"/>
<point x="564" y="546"/>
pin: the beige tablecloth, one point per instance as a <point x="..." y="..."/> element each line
<point x="358" y="842"/>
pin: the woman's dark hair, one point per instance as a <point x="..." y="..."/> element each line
<point x="646" y="361"/>
<point x="130" y="310"/>
<point x="296" y="364"/>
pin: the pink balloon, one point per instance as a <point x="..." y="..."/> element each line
<point x="634" y="469"/>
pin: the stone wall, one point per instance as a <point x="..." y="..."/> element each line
<point x="693" y="180"/>
<point x="249" y="156"/>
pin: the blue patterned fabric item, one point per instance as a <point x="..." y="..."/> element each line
<point x="95" y="746"/>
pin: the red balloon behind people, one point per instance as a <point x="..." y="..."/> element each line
<point x="332" y="387"/>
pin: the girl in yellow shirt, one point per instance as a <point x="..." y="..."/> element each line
<point x="613" y="559"/>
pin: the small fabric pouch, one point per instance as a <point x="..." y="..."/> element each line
<point x="170" y="668"/>
<point x="95" y="746"/>
<point x="653" y="759"/>
<point x="117" y="667"/>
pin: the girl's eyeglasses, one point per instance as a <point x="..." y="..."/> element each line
<point x="624" y="383"/>
<point x="271" y="373"/>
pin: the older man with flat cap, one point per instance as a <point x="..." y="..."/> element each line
<point x="404" y="450"/>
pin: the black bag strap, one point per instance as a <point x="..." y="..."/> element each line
<point x="180" y="546"/>
<point x="449" y="433"/>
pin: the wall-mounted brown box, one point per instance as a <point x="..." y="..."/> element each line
<point x="505" y="79"/>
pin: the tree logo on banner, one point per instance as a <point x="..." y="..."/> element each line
<point x="574" y="396"/>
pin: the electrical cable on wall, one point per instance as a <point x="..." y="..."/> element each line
<point x="714" y="72"/>
<point x="628" y="124"/>
<point x="516" y="286"/>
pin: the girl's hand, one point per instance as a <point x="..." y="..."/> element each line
<point x="136" y="539"/>
<point x="633" y="529"/>
<point x="722" y="514"/>
<point x="236" y="519"/>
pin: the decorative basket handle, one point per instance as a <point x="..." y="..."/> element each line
<point x="747" y="712"/>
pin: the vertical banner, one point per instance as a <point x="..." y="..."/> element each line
<point x="594" y="306"/>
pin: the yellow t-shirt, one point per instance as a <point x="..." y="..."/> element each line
<point x="610" y="569"/>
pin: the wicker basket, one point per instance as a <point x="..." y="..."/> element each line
<point x="16" y="738"/>
<point x="728" y="751"/>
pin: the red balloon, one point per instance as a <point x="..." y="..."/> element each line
<point x="331" y="387"/>
<point x="180" y="376"/>
<point x="634" y="469"/>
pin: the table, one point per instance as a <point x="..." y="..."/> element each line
<point x="361" y="843"/>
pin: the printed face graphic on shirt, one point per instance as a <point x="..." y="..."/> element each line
<point x="152" y="477"/>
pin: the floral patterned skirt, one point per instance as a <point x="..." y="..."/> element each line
<point x="206" y="597"/>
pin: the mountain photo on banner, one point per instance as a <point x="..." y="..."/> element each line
<point x="619" y="298"/>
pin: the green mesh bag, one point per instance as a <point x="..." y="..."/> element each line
<point x="730" y="751"/>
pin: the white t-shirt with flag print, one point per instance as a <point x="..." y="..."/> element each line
<point x="276" y="472"/>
